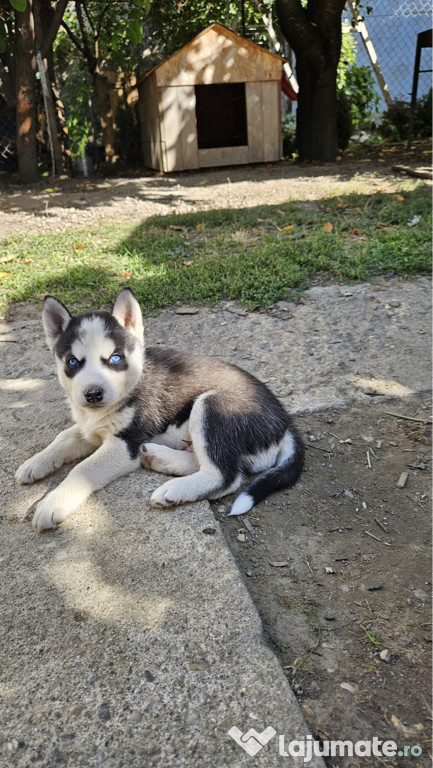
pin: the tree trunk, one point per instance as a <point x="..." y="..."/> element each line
<point x="53" y="137"/>
<point x="25" y="83"/>
<point x="316" y="122"/>
<point x="314" y="33"/>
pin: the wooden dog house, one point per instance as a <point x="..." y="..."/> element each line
<point x="217" y="101"/>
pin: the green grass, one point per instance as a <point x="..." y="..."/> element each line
<point x="244" y="254"/>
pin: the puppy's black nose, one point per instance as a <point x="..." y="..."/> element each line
<point x="94" y="395"/>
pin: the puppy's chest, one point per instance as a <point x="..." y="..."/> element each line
<point x="99" y="427"/>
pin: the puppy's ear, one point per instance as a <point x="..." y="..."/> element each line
<point x="127" y="312"/>
<point x="55" y="318"/>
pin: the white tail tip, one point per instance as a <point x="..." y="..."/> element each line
<point x="241" y="505"/>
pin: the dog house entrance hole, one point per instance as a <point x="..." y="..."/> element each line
<point x="221" y="115"/>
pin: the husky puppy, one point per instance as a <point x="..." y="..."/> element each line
<point x="204" y="421"/>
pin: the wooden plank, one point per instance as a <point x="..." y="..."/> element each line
<point x="223" y="156"/>
<point x="218" y="56"/>
<point x="361" y="27"/>
<point x="254" y="99"/>
<point x="170" y="122"/>
<point x="272" y="148"/>
<point x="187" y="127"/>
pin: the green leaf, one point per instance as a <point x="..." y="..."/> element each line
<point x="19" y="5"/>
<point x="135" y="32"/>
<point x="144" y="4"/>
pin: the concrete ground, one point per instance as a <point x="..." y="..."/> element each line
<point x="129" y="638"/>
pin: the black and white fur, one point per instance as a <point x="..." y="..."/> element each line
<point x="204" y="421"/>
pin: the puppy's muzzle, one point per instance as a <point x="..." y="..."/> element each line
<point x="94" y="395"/>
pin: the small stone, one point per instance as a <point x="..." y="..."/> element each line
<point x="374" y="587"/>
<point x="186" y="310"/>
<point x="104" y="712"/>
<point x="329" y="617"/>
<point x="348" y="494"/>
<point x="278" y="563"/>
<point x="348" y="687"/>
<point x="241" y="537"/>
<point x="328" y="569"/>
<point x="385" y="655"/>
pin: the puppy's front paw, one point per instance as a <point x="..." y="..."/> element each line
<point x="48" y="514"/>
<point x="33" y="469"/>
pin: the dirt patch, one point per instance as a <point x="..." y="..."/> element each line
<point x="60" y="204"/>
<point x="339" y="569"/>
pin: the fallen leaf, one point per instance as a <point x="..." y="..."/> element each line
<point x="355" y="232"/>
<point x="79" y="247"/>
<point x="5" y="274"/>
<point x="52" y="189"/>
<point x="200" y="225"/>
<point x="202" y="183"/>
<point x="280" y="212"/>
<point x="81" y="186"/>
<point x="187" y="263"/>
<point x="285" y="229"/>
<point x="126" y="274"/>
<point x="399" y="198"/>
<point x="4" y="259"/>
<point x="26" y="261"/>
<point x="328" y="227"/>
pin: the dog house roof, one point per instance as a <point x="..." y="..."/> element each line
<point x="217" y="55"/>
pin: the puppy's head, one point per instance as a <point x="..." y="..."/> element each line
<point x="99" y="355"/>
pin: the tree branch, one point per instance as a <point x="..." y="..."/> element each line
<point x="72" y="36"/>
<point x="86" y="11"/>
<point x="88" y="50"/>
<point x="54" y="27"/>
<point x="296" y="27"/>
<point x="101" y="19"/>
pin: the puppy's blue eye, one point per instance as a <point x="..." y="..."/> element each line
<point x="115" y="359"/>
<point x="72" y="362"/>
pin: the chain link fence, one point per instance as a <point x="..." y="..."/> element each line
<point x="8" y="155"/>
<point x="393" y="27"/>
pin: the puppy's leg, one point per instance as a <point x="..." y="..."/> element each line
<point x="67" y="446"/>
<point x="211" y="480"/>
<point x="109" y="462"/>
<point x="161" y="458"/>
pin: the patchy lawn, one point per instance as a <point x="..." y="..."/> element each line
<point x="258" y="255"/>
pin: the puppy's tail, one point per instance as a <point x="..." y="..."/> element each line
<point x="284" y="475"/>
